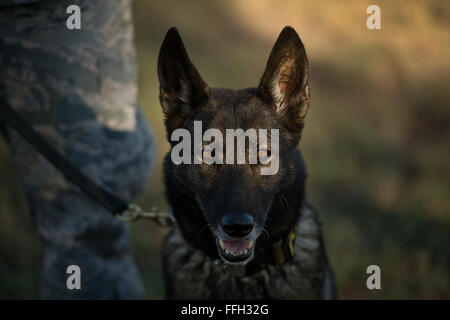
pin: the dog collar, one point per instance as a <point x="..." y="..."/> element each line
<point x="283" y="249"/>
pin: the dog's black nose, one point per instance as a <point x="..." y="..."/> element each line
<point x="237" y="225"/>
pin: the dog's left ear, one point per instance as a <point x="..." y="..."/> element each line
<point x="285" y="81"/>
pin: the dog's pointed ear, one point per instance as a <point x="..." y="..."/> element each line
<point x="181" y="86"/>
<point x="285" y="81"/>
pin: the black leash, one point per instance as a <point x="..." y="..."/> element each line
<point x="121" y="209"/>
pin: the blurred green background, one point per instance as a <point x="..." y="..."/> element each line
<point x="376" y="141"/>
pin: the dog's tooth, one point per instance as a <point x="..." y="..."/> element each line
<point x="222" y="245"/>
<point x="250" y="244"/>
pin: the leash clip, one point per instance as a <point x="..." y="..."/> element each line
<point x="134" y="212"/>
<point x="131" y="213"/>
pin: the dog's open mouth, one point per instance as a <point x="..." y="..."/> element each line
<point x="235" y="251"/>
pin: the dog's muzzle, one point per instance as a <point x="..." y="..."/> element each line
<point x="234" y="242"/>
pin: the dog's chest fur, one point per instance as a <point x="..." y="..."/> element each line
<point x="189" y="274"/>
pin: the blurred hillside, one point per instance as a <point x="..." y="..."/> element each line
<point x="376" y="141"/>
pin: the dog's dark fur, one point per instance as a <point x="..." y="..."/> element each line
<point x="201" y="195"/>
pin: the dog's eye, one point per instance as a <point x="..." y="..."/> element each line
<point x="263" y="152"/>
<point x="207" y="153"/>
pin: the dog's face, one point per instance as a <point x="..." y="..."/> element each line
<point x="235" y="200"/>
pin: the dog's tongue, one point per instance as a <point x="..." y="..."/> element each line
<point x="235" y="246"/>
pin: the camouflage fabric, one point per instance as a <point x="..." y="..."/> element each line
<point x="78" y="89"/>
<point x="16" y="2"/>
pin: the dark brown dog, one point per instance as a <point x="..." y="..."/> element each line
<point x="240" y="234"/>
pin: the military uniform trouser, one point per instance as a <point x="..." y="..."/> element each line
<point x="77" y="88"/>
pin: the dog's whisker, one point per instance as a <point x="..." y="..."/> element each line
<point x="283" y="204"/>
<point x="208" y="225"/>
<point x="265" y="233"/>
<point x="285" y="201"/>
<point x="178" y="196"/>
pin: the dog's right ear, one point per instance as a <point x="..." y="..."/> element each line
<point x="181" y="87"/>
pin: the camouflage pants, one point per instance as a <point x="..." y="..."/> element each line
<point x="78" y="89"/>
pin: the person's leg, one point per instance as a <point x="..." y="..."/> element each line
<point x="78" y="89"/>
